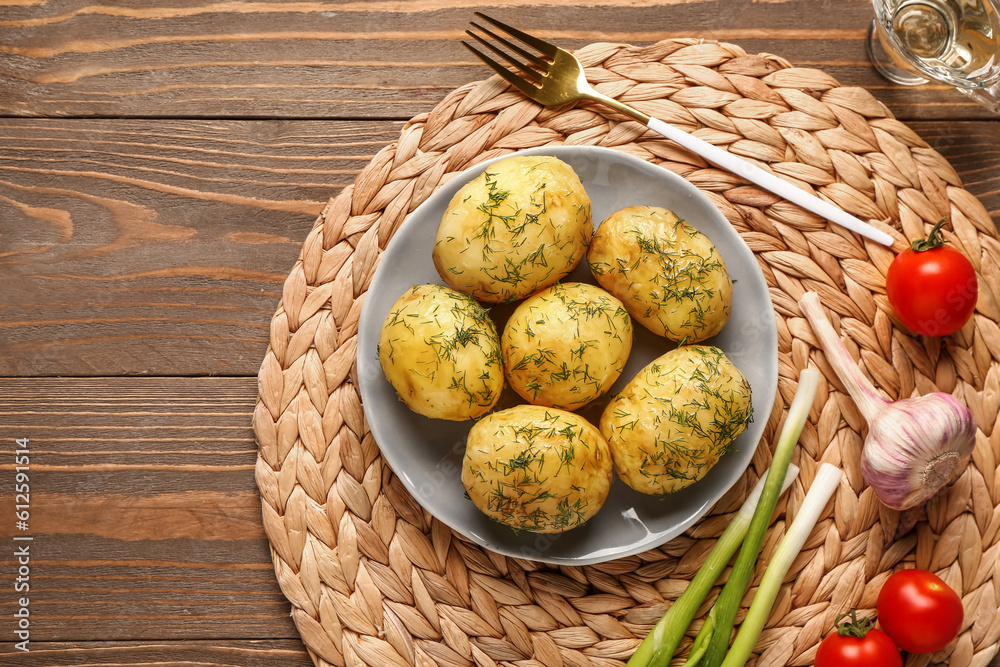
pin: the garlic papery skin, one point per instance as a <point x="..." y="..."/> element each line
<point x="915" y="446"/>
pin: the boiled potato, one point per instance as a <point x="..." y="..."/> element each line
<point x="520" y="226"/>
<point x="538" y="469"/>
<point x="440" y="351"/>
<point x="566" y="345"/>
<point x="675" y="418"/>
<point x="668" y="274"/>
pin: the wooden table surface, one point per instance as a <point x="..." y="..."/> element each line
<point x="160" y="165"/>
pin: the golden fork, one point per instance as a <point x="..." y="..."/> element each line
<point x="557" y="77"/>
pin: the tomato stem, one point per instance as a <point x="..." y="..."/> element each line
<point x="856" y="627"/>
<point x="934" y="240"/>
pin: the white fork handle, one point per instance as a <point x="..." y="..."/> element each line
<point x="768" y="181"/>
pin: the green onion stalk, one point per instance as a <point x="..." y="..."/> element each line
<point x="823" y="487"/>
<point x="658" y="647"/>
<point x="728" y="601"/>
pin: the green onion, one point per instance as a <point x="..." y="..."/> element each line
<point x="728" y="602"/>
<point x="823" y="487"/>
<point x="701" y="641"/>
<point x="659" y="645"/>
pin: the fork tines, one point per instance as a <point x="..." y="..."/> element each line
<point x="544" y="47"/>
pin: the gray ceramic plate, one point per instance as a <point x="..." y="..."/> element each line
<point x="426" y="454"/>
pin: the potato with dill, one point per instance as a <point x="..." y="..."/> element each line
<point x="520" y="226"/>
<point x="675" y="418"/>
<point x="669" y="275"/>
<point x="538" y="469"/>
<point x="440" y="351"/>
<point x="566" y="345"/>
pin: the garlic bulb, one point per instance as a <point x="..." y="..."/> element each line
<point x="915" y="446"/>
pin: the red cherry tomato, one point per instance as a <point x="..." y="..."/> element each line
<point x="857" y="644"/>
<point x="932" y="287"/>
<point x="920" y="612"/>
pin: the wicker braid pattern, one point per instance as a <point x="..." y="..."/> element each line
<point x="373" y="579"/>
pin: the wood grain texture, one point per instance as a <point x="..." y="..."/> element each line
<point x="374" y="59"/>
<point x="142" y="247"/>
<point x="144" y="514"/>
<point x="222" y="653"/>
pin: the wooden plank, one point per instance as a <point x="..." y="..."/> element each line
<point x="158" y="247"/>
<point x="374" y="59"/>
<point x="144" y="513"/>
<point x="235" y="653"/>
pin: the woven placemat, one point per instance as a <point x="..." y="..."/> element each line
<point x="373" y="579"/>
